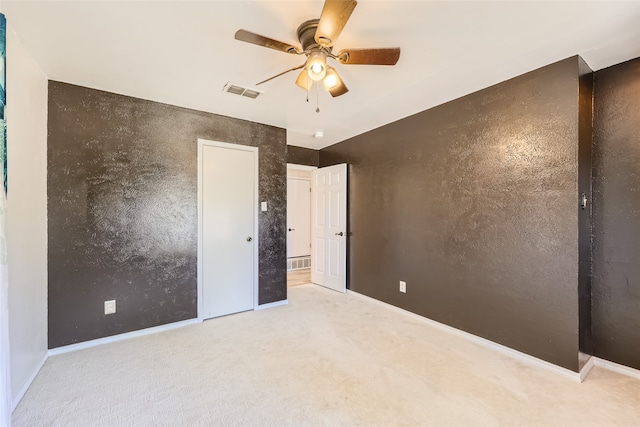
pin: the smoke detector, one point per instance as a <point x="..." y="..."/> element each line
<point x="242" y="90"/>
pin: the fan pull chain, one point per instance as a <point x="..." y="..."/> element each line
<point x="317" y="96"/>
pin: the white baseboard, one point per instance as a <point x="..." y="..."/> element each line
<point x="27" y="384"/>
<point x="575" y="376"/>
<point x="593" y="361"/>
<point x="587" y="368"/>
<point x="94" y="343"/>
<point x="272" y="304"/>
<point x="616" y="367"/>
<point x="120" y="337"/>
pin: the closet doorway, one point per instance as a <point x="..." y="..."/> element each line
<point x="227" y="228"/>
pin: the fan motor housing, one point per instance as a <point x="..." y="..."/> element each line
<point x="306" y="34"/>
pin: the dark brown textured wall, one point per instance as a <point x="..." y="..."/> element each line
<point x="302" y="156"/>
<point x="616" y="213"/>
<point x="122" y="210"/>
<point x="474" y="204"/>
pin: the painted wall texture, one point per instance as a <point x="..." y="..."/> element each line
<point x="616" y="213"/>
<point x="474" y="204"/>
<point x="26" y="214"/>
<point x="122" y="210"/>
<point x="585" y="223"/>
<point x="302" y="156"/>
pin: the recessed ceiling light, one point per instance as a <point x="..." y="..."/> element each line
<point x="319" y="134"/>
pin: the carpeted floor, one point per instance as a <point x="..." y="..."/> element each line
<point x="324" y="359"/>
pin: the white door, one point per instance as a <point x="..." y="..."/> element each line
<point x="228" y="203"/>
<point x="298" y="217"/>
<point x="329" y="227"/>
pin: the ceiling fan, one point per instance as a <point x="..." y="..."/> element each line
<point x="317" y="37"/>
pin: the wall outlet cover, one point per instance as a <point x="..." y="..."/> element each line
<point x="403" y="286"/>
<point x="110" y="306"/>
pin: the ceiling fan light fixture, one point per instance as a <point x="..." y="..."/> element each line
<point x="332" y="79"/>
<point x="304" y="81"/>
<point x="317" y="37"/>
<point x="317" y="66"/>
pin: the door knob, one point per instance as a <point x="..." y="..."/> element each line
<point x="340" y="234"/>
<point x="292" y="229"/>
<point x="249" y="239"/>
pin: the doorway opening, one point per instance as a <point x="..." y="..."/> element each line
<point x="299" y="224"/>
<point x="317" y="226"/>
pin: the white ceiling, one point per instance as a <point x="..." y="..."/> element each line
<point x="183" y="53"/>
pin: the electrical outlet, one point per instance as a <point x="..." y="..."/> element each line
<point x="403" y="287"/>
<point x="110" y="307"/>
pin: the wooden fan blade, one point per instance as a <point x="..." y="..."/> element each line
<point x="335" y="15"/>
<point x="253" y="38"/>
<point x="278" y="75"/>
<point x="334" y="84"/>
<point x="380" y="56"/>
<point x="304" y="81"/>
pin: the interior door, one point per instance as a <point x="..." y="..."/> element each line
<point x="329" y="227"/>
<point x="228" y="203"/>
<point x="298" y="217"/>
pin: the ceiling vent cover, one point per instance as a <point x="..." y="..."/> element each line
<point x="241" y="90"/>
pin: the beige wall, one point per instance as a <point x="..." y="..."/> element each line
<point x="26" y="212"/>
<point x="292" y="172"/>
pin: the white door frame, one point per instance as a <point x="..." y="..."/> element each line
<point x="201" y="144"/>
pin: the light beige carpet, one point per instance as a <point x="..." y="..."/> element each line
<point x="324" y="359"/>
